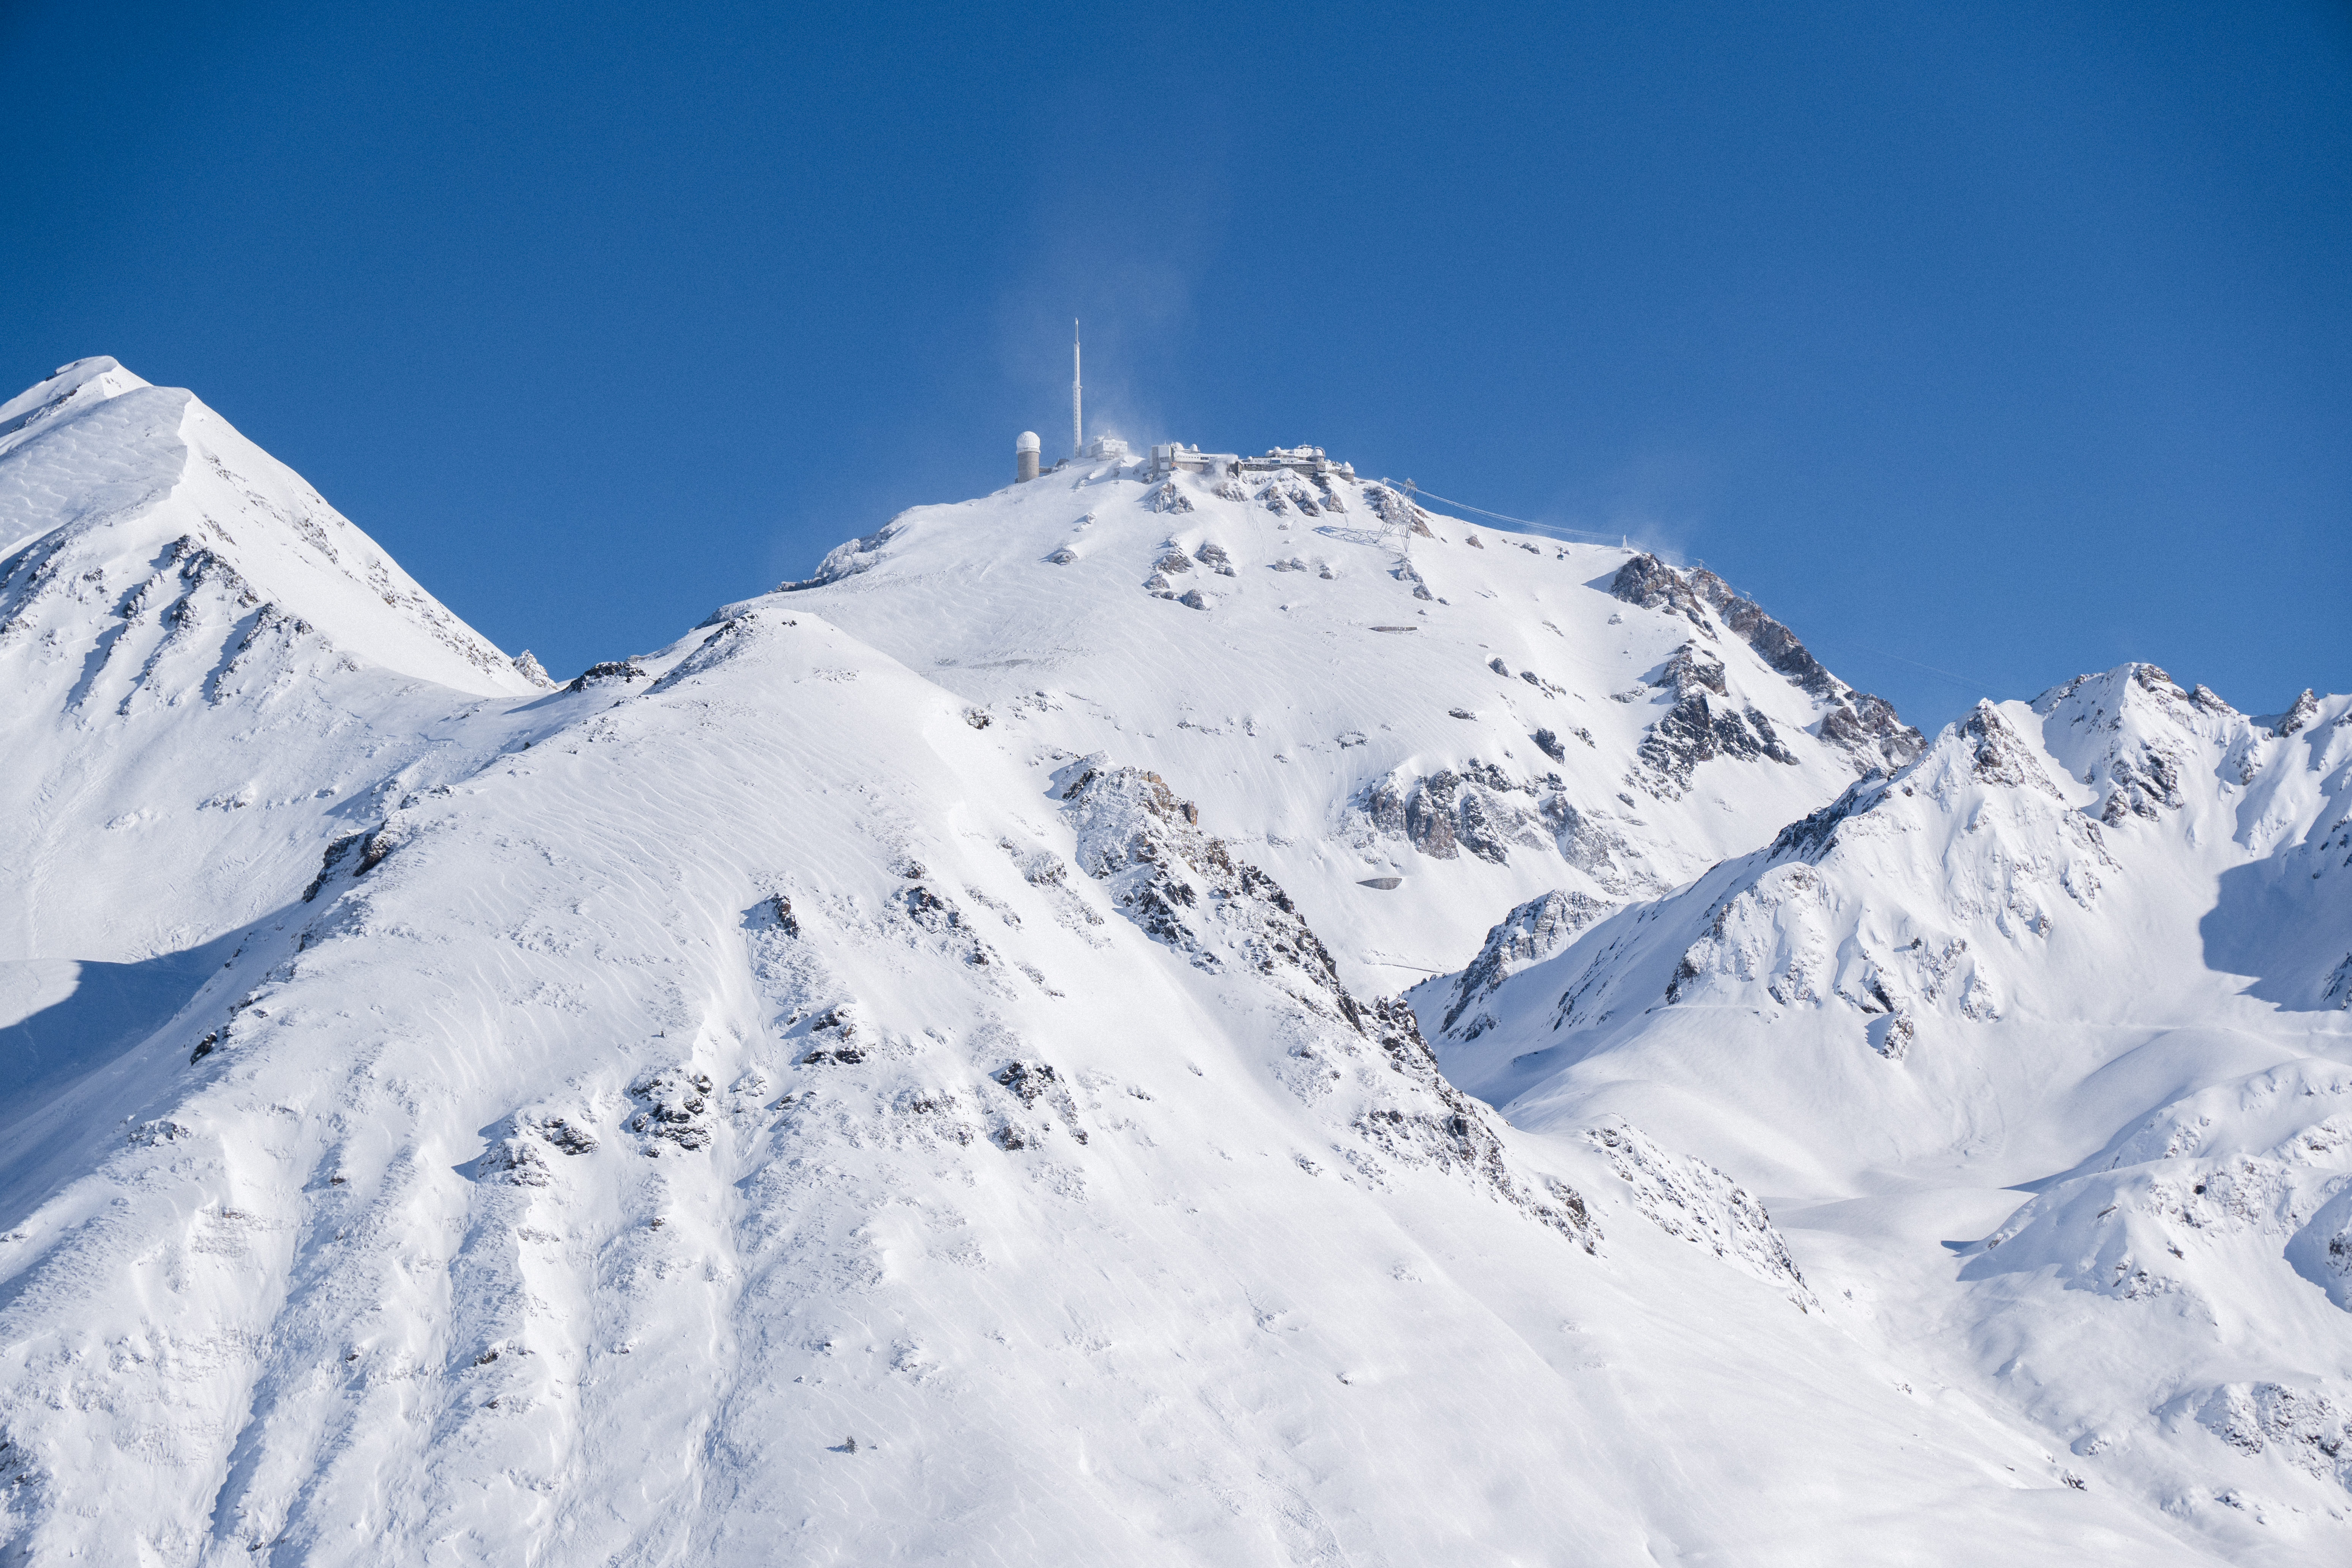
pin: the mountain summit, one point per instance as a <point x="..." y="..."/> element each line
<point x="919" y="1068"/>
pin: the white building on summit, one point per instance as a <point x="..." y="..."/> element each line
<point x="1174" y="456"/>
<point x="1168" y="458"/>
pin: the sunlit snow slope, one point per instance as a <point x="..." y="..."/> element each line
<point x="910" y="1072"/>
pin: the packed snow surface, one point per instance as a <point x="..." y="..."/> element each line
<point x="916" y="1071"/>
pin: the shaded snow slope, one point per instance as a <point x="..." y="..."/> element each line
<point x="2040" y="1043"/>
<point x="774" y="1117"/>
<point x="1360" y="689"/>
<point x="208" y="667"/>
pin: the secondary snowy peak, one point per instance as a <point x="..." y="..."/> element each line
<point x="206" y="664"/>
<point x="133" y="498"/>
<point x="2086" y="954"/>
<point x="1413" y="723"/>
<point x="1967" y="883"/>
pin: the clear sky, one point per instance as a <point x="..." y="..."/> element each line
<point x="1983" y="343"/>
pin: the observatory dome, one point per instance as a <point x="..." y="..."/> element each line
<point x="1027" y="442"/>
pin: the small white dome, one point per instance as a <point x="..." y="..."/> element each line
<point x="1027" y="442"/>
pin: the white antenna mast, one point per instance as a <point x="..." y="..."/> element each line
<point x="1077" y="421"/>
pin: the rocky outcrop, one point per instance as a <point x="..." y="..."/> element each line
<point x="1746" y="619"/>
<point x="1695" y="729"/>
<point x="623" y="670"/>
<point x="1857" y="723"/>
<point x="1481" y="809"/>
<point x="1649" y="584"/>
<point x="1487" y="812"/>
<point x="1528" y="934"/>
<point x="1868" y="728"/>
<point x="1997" y="755"/>
<point x="1689" y="1198"/>
<point x="1187" y="890"/>
<point x="2296" y="718"/>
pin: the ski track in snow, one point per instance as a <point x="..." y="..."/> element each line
<point x="903" y="1074"/>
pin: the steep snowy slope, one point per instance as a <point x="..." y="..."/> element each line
<point x="2042" y="1044"/>
<point x="208" y="667"/>
<point x="1362" y="690"/>
<point x="776" y="1117"/>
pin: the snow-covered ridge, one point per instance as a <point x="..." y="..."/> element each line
<point x="105" y="472"/>
<point x="211" y="671"/>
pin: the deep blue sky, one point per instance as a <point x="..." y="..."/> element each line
<point x="2007" y="339"/>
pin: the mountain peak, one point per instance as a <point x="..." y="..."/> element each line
<point x="80" y="386"/>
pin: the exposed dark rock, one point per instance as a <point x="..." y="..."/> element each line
<point x="1549" y="745"/>
<point x="623" y="670"/>
<point x="1860" y="724"/>
<point x="337" y="853"/>
<point x="2305" y="708"/>
<point x="376" y="846"/>
<point x="1027" y="1079"/>
<point x="1693" y="731"/>
<point x="1868" y="727"/>
<point x="1528" y="934"/>
<point x="1429" y="816"/>
<point x="676" y="1109"/>
<point x="2139" y="786"/>
<point x="1692" y="669"/>
<point x="1186" y="888"/>
<point x="1777" y="644"/>
<point x="1475" y="831"/>
<point x="1997" y="753"/>
<point x="1650" y="584"/>
<point x="1811" y="837"/>
<point x="568" y="1136"/>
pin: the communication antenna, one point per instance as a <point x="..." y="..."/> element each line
<point x="1077" y="421"/>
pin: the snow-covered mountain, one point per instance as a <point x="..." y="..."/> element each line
<point x="208" y="671"/>
<point x="1357" y="689"/>
<point x="913" y="1070"/>
<point x="2066" y="995"/>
